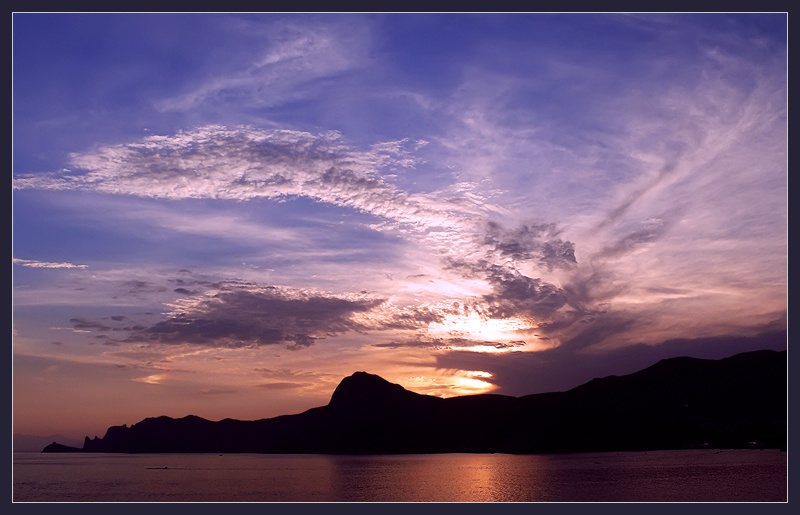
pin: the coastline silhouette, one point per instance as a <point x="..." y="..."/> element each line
<point x="677" y="403"/>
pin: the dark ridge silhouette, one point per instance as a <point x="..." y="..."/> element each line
<point x="28" y="443"/>
<point x="679" y="403"/>
<point x="57" y="447"/>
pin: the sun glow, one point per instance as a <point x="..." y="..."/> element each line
<point x="152" y="379"/>
<point x="473" y="385"/>
<point x="453" y="383"/>
<point x="471" y="382"/>
<point x="490" y="335"/>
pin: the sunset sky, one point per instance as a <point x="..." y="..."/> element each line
<point x="225" y="214"/>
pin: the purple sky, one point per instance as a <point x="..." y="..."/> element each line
<point x="224" y="215"/>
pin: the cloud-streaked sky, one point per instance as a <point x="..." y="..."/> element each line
<point x="225" y="214"/>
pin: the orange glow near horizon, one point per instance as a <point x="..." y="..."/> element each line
<point x="452" y="383"/>
<point x="472" y="384"/>
<point x="152" y="379"/>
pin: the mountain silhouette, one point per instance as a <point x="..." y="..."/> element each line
<point x="678" y="403"/>
<point x="28" y="443"/>
<point x="366" y="391"/>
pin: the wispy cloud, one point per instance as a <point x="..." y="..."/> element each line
<point x="294" y="55"/>
<point x="427" y="342"/>
<point x="45" y="264"/>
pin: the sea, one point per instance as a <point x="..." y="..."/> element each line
<point x="703" y="475"/>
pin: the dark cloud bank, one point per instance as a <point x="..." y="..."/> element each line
<point x="267" y="316"/>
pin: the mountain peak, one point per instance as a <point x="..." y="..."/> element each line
<point x="364" y="389"/>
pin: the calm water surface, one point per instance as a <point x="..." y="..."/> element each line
<point x="657" y="476"/>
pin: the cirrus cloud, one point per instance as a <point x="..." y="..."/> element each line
<point x="31" y="263"/>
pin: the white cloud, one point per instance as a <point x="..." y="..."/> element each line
<point x="45" y="264"/>
<point x="243" y="163"/>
